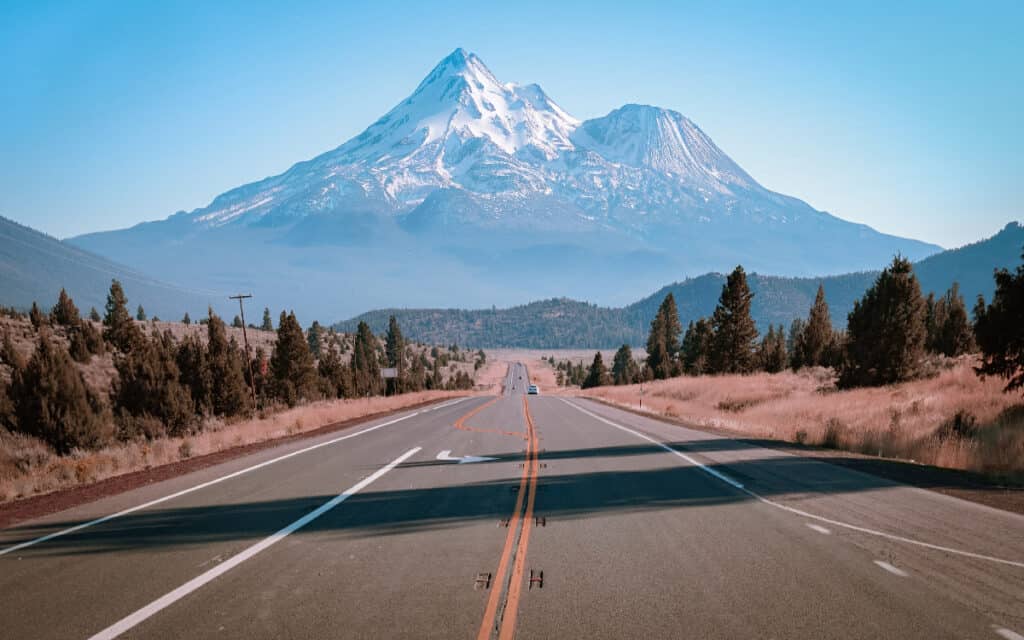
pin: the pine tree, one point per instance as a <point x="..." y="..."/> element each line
<point x="52" y="402"/>
<point x="94" y="315"/>
<point x="140" y="314"/>
<point x="119" y="328"/>
<point x="335" y="377"/>
<point x="267" y="325"/>
<point x="65" y="312"/>
<point x="313" y="337"/>
<point x="696" y="349"/>
<point x="624" y="367"/>
<point x="148" y="395"/>
<point x="36" y="316"/>
<point x="733" y="348"/>
<point x="226" y="362"/>
<point x="816" y="337"/>
<point x="292" y="370"/>
<point x="954" y="335"/>
<point x="186" y="319"/>
<point x="794" y="344"/>
<point x="394" y="347"/>
<point x="999" y="329"/>
<point x="365" y="365"/>
<point x="772" y="352"/>
<point x="886" y="330"/>
<point x="663" y="340"/>
<point x="194" y="373"/>
<point x="237" y="322"/>
<point x="597" y="375"/>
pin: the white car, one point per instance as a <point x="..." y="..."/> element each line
<point x="533" y="390"/>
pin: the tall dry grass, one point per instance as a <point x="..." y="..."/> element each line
<point x="953" y="419"/>
<point x="29" y="467"/>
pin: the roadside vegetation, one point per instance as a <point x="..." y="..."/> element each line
<point x="910" y="377"/>
<point x="83" y="398"/>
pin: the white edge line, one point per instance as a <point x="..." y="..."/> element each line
<point x="1009" y="634"/>
<point x="891" y="569"/>
<point x="210" y="483"/>
<point x="170" y="598"/>
<point x="805" y="514"/>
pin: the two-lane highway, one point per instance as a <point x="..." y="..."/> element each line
<point x="439" y="522"/>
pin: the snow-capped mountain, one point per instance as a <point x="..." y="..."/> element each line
<point x="486" y="171"/>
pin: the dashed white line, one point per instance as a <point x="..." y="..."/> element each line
<point x="210" y="483"/>
<point x="820" y="529"/>
<point x="892" y="569"/>
<point x="806" y="514"/>
<point x="165" y="601"/>
<point x="1003" y="632"/>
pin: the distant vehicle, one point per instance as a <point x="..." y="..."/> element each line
<point x="533" y="390"/>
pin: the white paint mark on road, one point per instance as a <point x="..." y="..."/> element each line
<point x="446" y="456"/>
<point x="814" y="516"/>
<point x="1003" y="632"/>
<point x="721" y="476"/>
<point x="819" y="529"/>
<point x="891" y="569"/>
<point x="210" y="483"/>
<point x="154" y="607"/>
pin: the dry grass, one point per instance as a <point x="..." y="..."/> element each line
<point x="914" y="421"/>
<point x="28" y="467"/>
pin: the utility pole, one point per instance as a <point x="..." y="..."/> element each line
<point x="245" y="338"/>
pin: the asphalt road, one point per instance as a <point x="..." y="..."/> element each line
<point x="641" y="529"/>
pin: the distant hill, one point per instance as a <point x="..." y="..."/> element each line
<point x="565" y="323"/>
<point x="34" y="267"/>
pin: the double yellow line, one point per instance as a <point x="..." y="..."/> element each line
<point x="516" y="543"/>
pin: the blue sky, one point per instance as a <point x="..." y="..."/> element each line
<point x="905" y="118"/>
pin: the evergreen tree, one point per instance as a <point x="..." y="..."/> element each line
<point x="140" y="314"/>
<point x="816" y="338"/>
<point x="237" y="322"/>
<point x="663" y="341"/>
<point x="999" y="329"/>
<point x="597" y="375"/>
<point x="886" y="330"/>
<point x="394" y="348"/>
<point x="36" y="316"/>
<point x="52" y="402"/>
<point x="954" y="335"/>
<point x="186" y="319"/>
<point x="772" y="352"/>
<point x="292" y="371"/>
<point x="94" y="315"/>
<point x="696" y="349"/>
<point x="624" y="367"/>
<point x="335" y="377"/>
<point x="733" y="347"/>
<point x="417" y="378"/>
<point x="794" y="344"/>
<point x="314" y="338"/>
<point x="118" y="327"/>
<point x="226" y="362"/>
<point x="194" y="373"/>
<point x="267" y="325"/>
<point x="148" y="395"/>
<point x="65" y="312"/>
<point x="365" y="365"/>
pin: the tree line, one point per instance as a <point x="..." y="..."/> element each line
<point x="170" y="386"/>
<point x="889" y="332"/>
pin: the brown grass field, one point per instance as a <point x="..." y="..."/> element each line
<point x="914" y="421"/>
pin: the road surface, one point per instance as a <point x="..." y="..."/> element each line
<point x="516" y="516"/>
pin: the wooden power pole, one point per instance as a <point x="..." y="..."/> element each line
<point x="245" y="338"/>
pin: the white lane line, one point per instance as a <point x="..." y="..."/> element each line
<point x="204" y="485"/>
<point x="709" y="470"/>
<point x="1003" y="632"/>
<point x="819" y="529"/>
<point x="814" y="516"/>
<point x="165" y="601"/>
<point x="891" y="569"/>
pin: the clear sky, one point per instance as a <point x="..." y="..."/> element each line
<point x="906" y="118"/>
